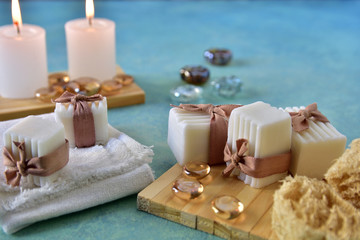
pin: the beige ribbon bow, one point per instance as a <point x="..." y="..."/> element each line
<point x="300" y="119"/>
<point x="83" y="119"/>
<point x="38" y="166"/>
<point x="254" y="167"/>
<point x="218" y="127"/>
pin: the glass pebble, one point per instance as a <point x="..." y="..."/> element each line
<point x="58" y="79"/>
<point x="46" y="94"/>
<point x="227" y="207"/>
<point x="186" y="93"/>
<point x="194" y="74"/>
<point x="73" y="87"/>
<point x="218" y="56"/>
<point x="124" y="79"/>
<point x="186" y="188"/>
<point x="227" y="86"/>
<point x="196" y="169"/>
<point x="110" y="87"/>
<point x="88" y="86"/>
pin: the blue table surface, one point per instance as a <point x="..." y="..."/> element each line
<point x="288" y="53"/>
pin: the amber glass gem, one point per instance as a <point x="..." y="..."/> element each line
<point x="46" y="94"/>
<point x="58" y="79"/>
<point x="124" y="79"/>
<point x="72" y="87"/>
<point x="227" y="207"/>
<point x="194" y="74"/>
<point x="196" y="169"/>
<point x="110" y="87"/>
<point x="88" y="86"/>
<point x="187" y="188"/>
<point x="218" y="56"/>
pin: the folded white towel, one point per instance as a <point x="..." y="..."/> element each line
<point x="93" y="176"/>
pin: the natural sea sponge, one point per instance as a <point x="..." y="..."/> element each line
<point x="307" y="208"/>
<point x="344" y="174"/>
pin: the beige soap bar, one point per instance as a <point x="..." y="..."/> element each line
<point x="64" y="115"/>
<point x="315" y="149"/>
<point x="188" y="135"/>
<point x="41" y="136"/>
<point x="268" y="131"/>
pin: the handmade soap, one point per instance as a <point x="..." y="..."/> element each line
<point x="64" y="114"/>
<point x="41" y="137"/>
<point x="268" y="131"/>
<point x="188" y="135"/>
<point x="314" y="150"/>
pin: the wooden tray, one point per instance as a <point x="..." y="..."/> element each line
<point x="17" y="108"/>
<point x="253" y="223"/>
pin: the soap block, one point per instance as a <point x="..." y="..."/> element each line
<point x="64" y="115"/>
<point x="314" y="150"/>
<point x="188" y="135"/>
<point x="41" y="137"/>
<point x="268" y="131"/>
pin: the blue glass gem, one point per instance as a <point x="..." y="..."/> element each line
<point x="218" y="56"/>
<point x="194" y="74"/>
<point x="227" y="86"/>
<point x="185" y="93"/>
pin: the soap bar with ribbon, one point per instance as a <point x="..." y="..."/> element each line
<point x="266" y="131"/>
<point x="35" y="152"/>
<point x="84" y="119"/>
<point x="198" y="132"/>
<point x="315" y="142"/>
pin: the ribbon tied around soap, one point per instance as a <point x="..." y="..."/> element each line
<point x="38" y="166"/>
<point x="218" y="127"/>
<point x="299" y="119"/>
<point x="251" y="166"/>
<point x="83" y="119"/>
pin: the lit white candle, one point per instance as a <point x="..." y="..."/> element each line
<point x="91" y="46"/>
<point x="23" y="66"/>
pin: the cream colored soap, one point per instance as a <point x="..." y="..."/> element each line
<point x="315" y="149"/>
<point x="268" y="131"/>
<point x="64" y="115"/>
<point x="41" y="136"/>
<point x="188" y="135"/>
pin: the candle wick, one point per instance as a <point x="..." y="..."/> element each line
<point x="17" y="28"/>
<point x="90" y="21"/>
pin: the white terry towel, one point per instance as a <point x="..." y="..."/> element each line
<point x="93" y="176"/>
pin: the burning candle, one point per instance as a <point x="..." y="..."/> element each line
<point x="91" y="46"/>
<point x="23" y="66"/>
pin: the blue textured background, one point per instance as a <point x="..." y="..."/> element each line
<point x="288" y="53"/>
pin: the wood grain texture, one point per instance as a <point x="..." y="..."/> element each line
<point x="253" y="223"/>
<point x="17" y="108"/>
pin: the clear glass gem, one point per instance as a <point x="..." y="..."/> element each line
<point x="227" y="86"/>
<point x="187" y="188"/>
<point x="218" y="56"/>
<point x="88" y="86"/>
<point x="196" y="169"/>
<point x="186" y="93"/>
<point x="227" y="207"/>
<point x="124" y="79"/>
<point x="58" y="79"/>
<point x="194" y="74"/>
<point x="73" y="87"/>
<point x="110" y="87"/>
<point x="46" y="94"/>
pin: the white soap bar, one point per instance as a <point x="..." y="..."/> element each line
<point x="41" y="137"/>
<point x="314" y="149"/>
<point x="268" y="131"/>
<point x="188" y="135"/>
<point x="64" y="114"/>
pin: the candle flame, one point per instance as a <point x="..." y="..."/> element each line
<point x="90" y="10"/>
<point x="16" y="15"/>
